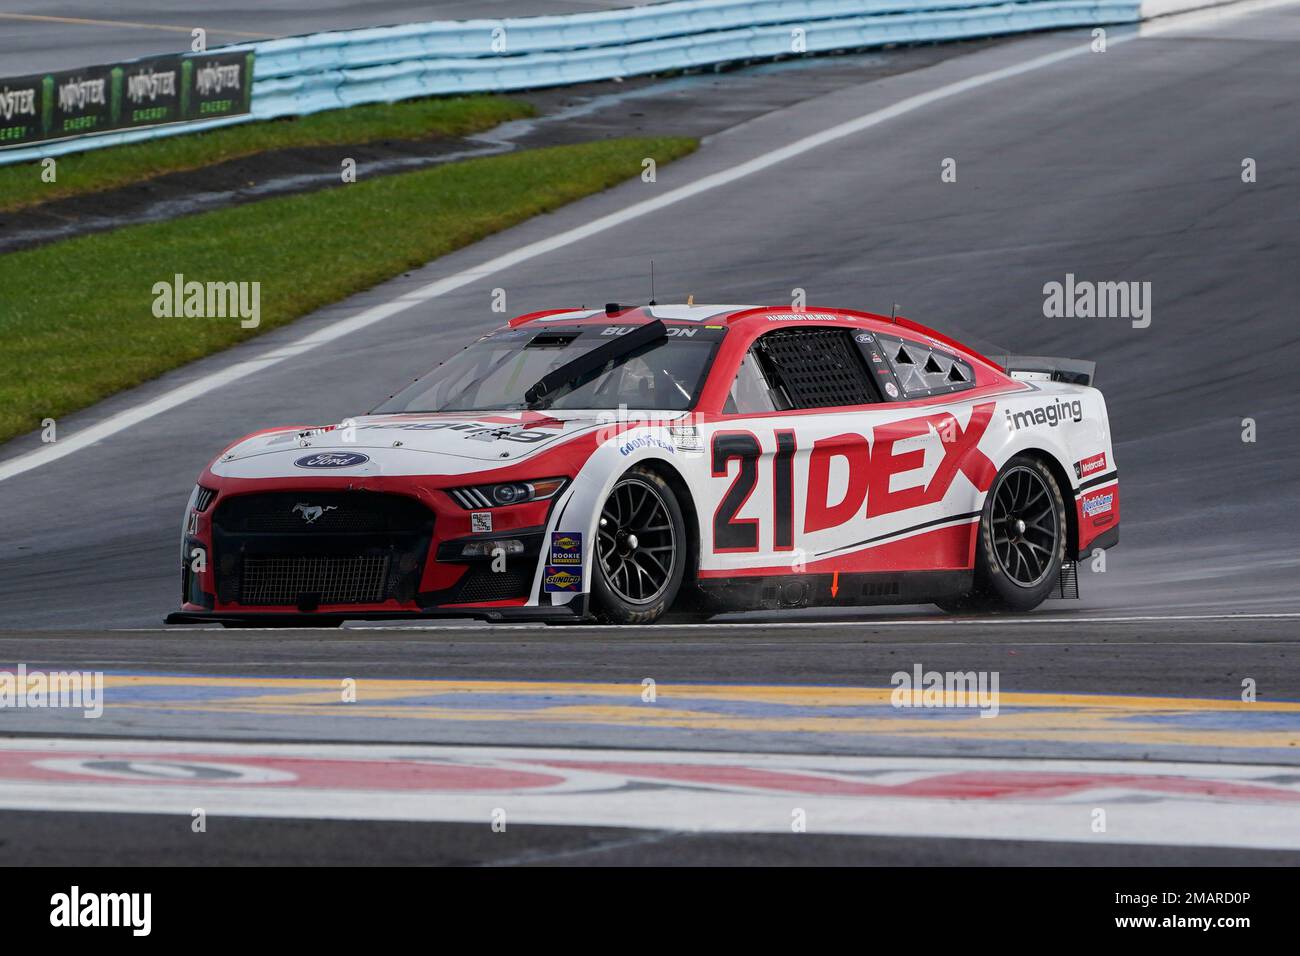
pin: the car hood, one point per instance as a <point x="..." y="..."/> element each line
<point x="450" y="443"/>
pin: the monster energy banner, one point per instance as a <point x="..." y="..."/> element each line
<point x="167" y="89"/>
<point x="78" y="102"/>
<point x="218" y="84"/>
<point x="149" y="92"/>
<point x="20" y="110"/>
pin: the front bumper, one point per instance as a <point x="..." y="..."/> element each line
<point x="572" y="613"/>
<point x="390" y="551"/>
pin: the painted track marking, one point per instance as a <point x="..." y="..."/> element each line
<point x="1173" y="804"/>
<point x="81" y="21"/>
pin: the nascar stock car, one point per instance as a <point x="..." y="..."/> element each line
<point x="627" y="463"/>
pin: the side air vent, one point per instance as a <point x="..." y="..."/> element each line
<point x="204" y="498"/>
<point x="938" y="374"/>
<point x="470" y="498"/>
<point x="879" y="589"/>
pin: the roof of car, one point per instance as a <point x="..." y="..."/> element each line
<point x="734" y="315"/>
<point x="668" y="312"/>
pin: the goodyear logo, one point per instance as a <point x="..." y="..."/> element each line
<point x="561" y="579"/>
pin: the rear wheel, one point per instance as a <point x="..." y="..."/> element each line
<point x="1021" y="543"/>
<point x="640" y="550"/>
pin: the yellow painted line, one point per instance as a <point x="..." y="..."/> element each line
<point x="378" y="688"/>
<point x="1077" y="727"/>
<point x="1066" y="718"/>
<point x="81" y="21"/>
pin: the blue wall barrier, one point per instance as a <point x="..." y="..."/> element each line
<point x="295" y="76"/>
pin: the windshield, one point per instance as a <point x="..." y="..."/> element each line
<point x="497" y="370"/>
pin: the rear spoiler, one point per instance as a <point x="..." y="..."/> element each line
<point x="1070" y="371"/>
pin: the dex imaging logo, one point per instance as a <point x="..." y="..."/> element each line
<point x="1050" y="415"/>
<point x="76" y="908"/>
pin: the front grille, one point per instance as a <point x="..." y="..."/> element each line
<point x="307" y="549"/>
<point x="483" y="584"/>
<point x="320" y="513"/>
<point x="359" y="579"/>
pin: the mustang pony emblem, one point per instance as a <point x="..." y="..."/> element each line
<point x="311" y="512"/>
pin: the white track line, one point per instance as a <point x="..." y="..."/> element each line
<point x="594" y="788"/>
<point x="178" y="396"/>
<point x="775" y="625"/>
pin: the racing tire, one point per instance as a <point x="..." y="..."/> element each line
<point x="640" y="552"/>
<point x="1021" y="545"/>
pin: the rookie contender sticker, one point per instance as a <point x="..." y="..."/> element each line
<point x="566" y="548"/>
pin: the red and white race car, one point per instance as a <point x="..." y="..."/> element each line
<point x="625" y="463"/>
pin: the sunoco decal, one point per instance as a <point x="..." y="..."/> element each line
<point x="566" y="547"/>
<point x="561" y="580"/>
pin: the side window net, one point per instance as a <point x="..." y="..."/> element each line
<point x="816" y="367"/>
<point x="922" y="370"/>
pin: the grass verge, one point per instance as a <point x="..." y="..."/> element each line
<point x="76" y="317"/>
<point x="114" y="166"/>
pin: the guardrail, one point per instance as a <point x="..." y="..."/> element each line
<point x="301" y="75"/>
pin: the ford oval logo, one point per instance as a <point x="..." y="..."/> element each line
<point x="332" y="459"/>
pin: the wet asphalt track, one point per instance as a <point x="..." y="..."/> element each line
<point x="1115" y="166"/>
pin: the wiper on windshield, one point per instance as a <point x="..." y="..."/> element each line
<point x="545" y="390"/>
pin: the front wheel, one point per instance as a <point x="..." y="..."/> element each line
<point x="640" y="550"/>
<point x="1021" y="543"/>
